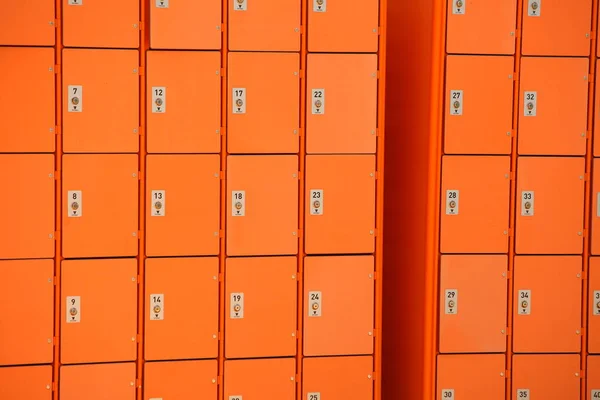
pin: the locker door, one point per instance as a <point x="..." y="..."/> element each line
<point x="89" y="23"/>
<point x="100" y="101"/>
<point x="264" y="102"/>
<point x="594" y="306"/>
<point x="182" y="301"/>
<point x="28" y="112"/>
<point x="183" y="205"/>
<point x="262" y="205"/>
<point x="479" y="105"/>
<point x="28" y="223"/>
<point x="493" y="20"/>
<point x="181" y="380"/>
<point x="347" y="378"/>
<point x="475" y="204"/>
<point x="547" y="289"/>
<point x="28" y="24"/>
<point x="28" y="326"/>
<point x="31" y="383"/>
<point x="341" y="103"/>
<point x="183" y="101"/>
<point x="548" y="377"/>
<point x="553" y="106"/>
<point x="100" y="212"/>
<point x="595" y="237"/>
<point x="593" y="378"/>
<point x="261" y="292"/>
<point x="473" y="301"/>
<point x="330" y="302"/>
<point x="261" y="379"/>
<point x="98" y="382"/>
<point x="471" y="377"/>
<point x="547" y="224"/>
<point x="340" y="204"/>
<point x="266" y="25"/>
<point x="350" y="27"/>
<point x="99" y="305"/>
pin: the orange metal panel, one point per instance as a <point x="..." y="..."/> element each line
<point x="348" y="378"/>
<point x="28" y="110"/>
<point x="351" y="26"/>
<point x="28" y="222"/>
<point x="89" y="23"/>
<point x="551" y="377"/>
<point x="261" y="293"/>
<point x="341" y="103"/>
<point x="182" y="301"/>
<point x="340" y="204"/>
<point x="265" y="25"/>
<point x="473" y="302"/>
<point x="31" y="383"/>
<point x="596" y="141"/>
<point x="481" y="27"/>
<point x="595" y="212"/>
<point x="470" y="377"/>
<point x="475" y="204"/>
<point x="264" y="102"/>
<point x="549" y="124"/>
<point x="181" y="380"/>
<point x="479" y="105"/>
<point x="27" y="287"/>
<point x="594" y="306"/>
<point x="99" y="306"/>
<point x="100" y="101"/>
<point x="262" y="205"/>
<point x="28" y="23"/>
<point x="100" y="208"/>
<point x="557" y="28"/>
<point x="98" y="382"/>
<point x="187" y="24"/>
<point x="545" y="225"/>
<point x="183" y="101"/>
<point x="183" y="205"/>
<point x="539" y="282"/>
<point x="593" y="378"/>
<point x="260" y="379"/>
<point x="331" y="302"/>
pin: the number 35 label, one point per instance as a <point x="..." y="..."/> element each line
<point x="522" y="393"/>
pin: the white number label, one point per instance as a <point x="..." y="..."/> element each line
<point x="237" y="306"/>
<point x="159" y="99"/>
<point x="319" y="6"/>
<point x="535" y="8"/>
<point x="240" y="5"/>
<point x="73" y="309"/>
<point x="313" y="396"/>
<point x="158" y="203"/>
<point x="595" y="393"/>
<point x="452" y="197"/>
<point x="74" y="200"/>
<point x="458" y="7"/>
<point x="238" y="203"/>
<point x="596" y="304"/>
<point x="314" y="304"/>
<point x="75" y="98"/>
<point x="75" y="2"/>
<point x="527" y="203"/>
<point x="162" y="3"/>
<point x="523" y="394"/>
<point x="456" y="102"/>
<point x="316" y="202"/>
<point x="157" y="307"/>
<point x="451" y="299"/>
<point x="448" y="394"/>
<point x="530" y="104"/>
<point x="318" y="101"/>
<point x="524" y="302"/>
<point x="239" y="100"/>
<point x="235" y="398"/>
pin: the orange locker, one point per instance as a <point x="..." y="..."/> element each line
<point x="595" y="223"/>
<point x="260" y="293"/>
<point x="28" y="218"/>
<point x="182" y="301"/>
<point x="481" y="27"/>
<point x="338" y="291"/>
<point x="559" y="126"/>
<point x="547" y="224"/>
<point x="341" y="109"/>
<point x="102" y="24"/>
<point x="273" y="378"/>
<point x="593" y="378"/>
<point x="181" y="380"/>
<point x="99" y="305"/>
<point x="547" y="289"/>
<point x="475" y="204"/>
<point x="557" y="28"/>
<point x="27" y="287"/>
<point x="98" y="382"/>
<point x="270" y="123"/>
<point x="350" y="27"/>
<point x="29" y="116"/>
<point x="262" y="205"/>
<point x="594" y="306"/>
<point x="100" y="100"/>
<point x="184" y="101"/>
<point x="346" y="184"/>
<point x="28" y="24"/>
<point x="183" y="205"/>
<point x="349" y="378"/>
<point x="549" y="377"/>
<point x="471" y="377"/>
<point x="31" y="383"/>
<point x="187" y="24"/>
<point x="100" y="212"/>
<point x="473" y="302"/>
<point x="265" y="25"/>
<point x="474" y="125"/>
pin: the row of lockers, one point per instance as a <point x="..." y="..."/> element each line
<point x="99" y="308"/>
<point x="265" y="25"/>
<point x="183" y="201"/>
<point x="184" y="102"/>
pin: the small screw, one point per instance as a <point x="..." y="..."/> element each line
<point x="504" y="274"/>
<point x="293" y="334"/>
<point x="370" y="276"/>
<point x="51" y="22"/>
<point x="48" y="387"/>
<point x="214" y="381"/>
<point x="295" y="73"/>
<point x="579" y="233"/>
<point x="130" y="383"/>
<point x="214" y="278"/>
<point x="370" y="333"/>
<point x="371" y="174"/>
<point x="218" y="27"/>
<point x="134" y="175"/>
<point x="50" y="69"/>
<point x="369" y="376"/>
<point x="291" y="378"/>
<point x="132" y="279"/>
<point x="214" y="336"/>
<point x="294" y="233"/>
<point x="135" y="26"/>
<point x="583" y="135"/>
<point x="295" y="131"/>
<point x="502" y="331"/>
<point x="512" y="34"/>
<point x="296" y="29"/>
<point x="133" y="340"/>
<point x="375" y="30"/>
<point x="371" y="232"/>
<point x="577" y="332"/>
<point x="50" y="236"/>
<point x="135" y="70"/>
<point x="216" y="175"/>
<point x="507" y="133"/>
<point x="293" y="276"/>
<point x="505" y="232"/>
<point x="576" y="373"/>
<point x="501" y="373"/>
<point x="579" y="275"/>
<point x="294" y="175"/>
<point x="49" y="280"/>
<point x="134" y="130"/>
<point x="49" y="341"/>
<point x="510" y="76"/>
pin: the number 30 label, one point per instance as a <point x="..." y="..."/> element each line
<point x="448" y="394"/>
